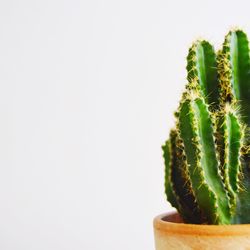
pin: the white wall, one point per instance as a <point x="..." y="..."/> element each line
<point x="87" y="92"/>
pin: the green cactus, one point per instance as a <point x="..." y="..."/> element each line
<point x="207" y="156"/>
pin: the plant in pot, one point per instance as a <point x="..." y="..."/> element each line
<point x="207" y="156"/>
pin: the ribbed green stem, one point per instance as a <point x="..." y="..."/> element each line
<point x="168" y="185"/>
<point x="181" y="183"/>
<point x="229" y="143"/>
<point x="202" y="71"/>
<point x="197" y="133"/>
<point x="234" y="71"/>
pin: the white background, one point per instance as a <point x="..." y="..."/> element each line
<point x="87" y="95"/>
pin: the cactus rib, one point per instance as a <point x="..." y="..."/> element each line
<point x="197" y="134"/>
<point x="181" y="182"/>
<point x="202" y="71"/>
<point x="229" y="144"/>
<point x="168" y="186"/>
<point x="234" y="71"/>
<point x="188" y="132"/>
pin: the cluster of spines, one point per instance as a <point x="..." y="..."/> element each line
<point x="210" y="135"/>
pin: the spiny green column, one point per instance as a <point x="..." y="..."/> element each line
<point x="177" y="183"/>
<point x="167" y="154"/>
<point x="182" y="184"/>
<point x="202" y="71"/>
<point x="234" y="72"/>
<point x="229" y="137"/>
<point x="196" y="131"/>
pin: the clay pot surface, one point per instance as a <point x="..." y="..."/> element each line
<point x="171" y="233"/>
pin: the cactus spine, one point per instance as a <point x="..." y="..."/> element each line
<point x="207" y="160"/>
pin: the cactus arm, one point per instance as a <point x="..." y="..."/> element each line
<point x="204" y="195"/>
<point x="209" y="159"/>
<point x="202" y="71"/>
<point x="197" y="134"/>
<point x="177" y="186"/>
<point x="168" y="185"/>
<point x="181" y="183"/>
<point x="229" y="143"/>
<point x="222" y="146"/>
<point x="234" y="71"/>
<point x="239" y="54"/>
<point x="234" y="146"/>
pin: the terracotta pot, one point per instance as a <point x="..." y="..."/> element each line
<point x="171" y="233"/>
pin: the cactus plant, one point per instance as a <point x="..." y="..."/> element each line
<point x="207" y="156"/>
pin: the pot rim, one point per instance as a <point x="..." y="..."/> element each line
<point x="170" y="223"/>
